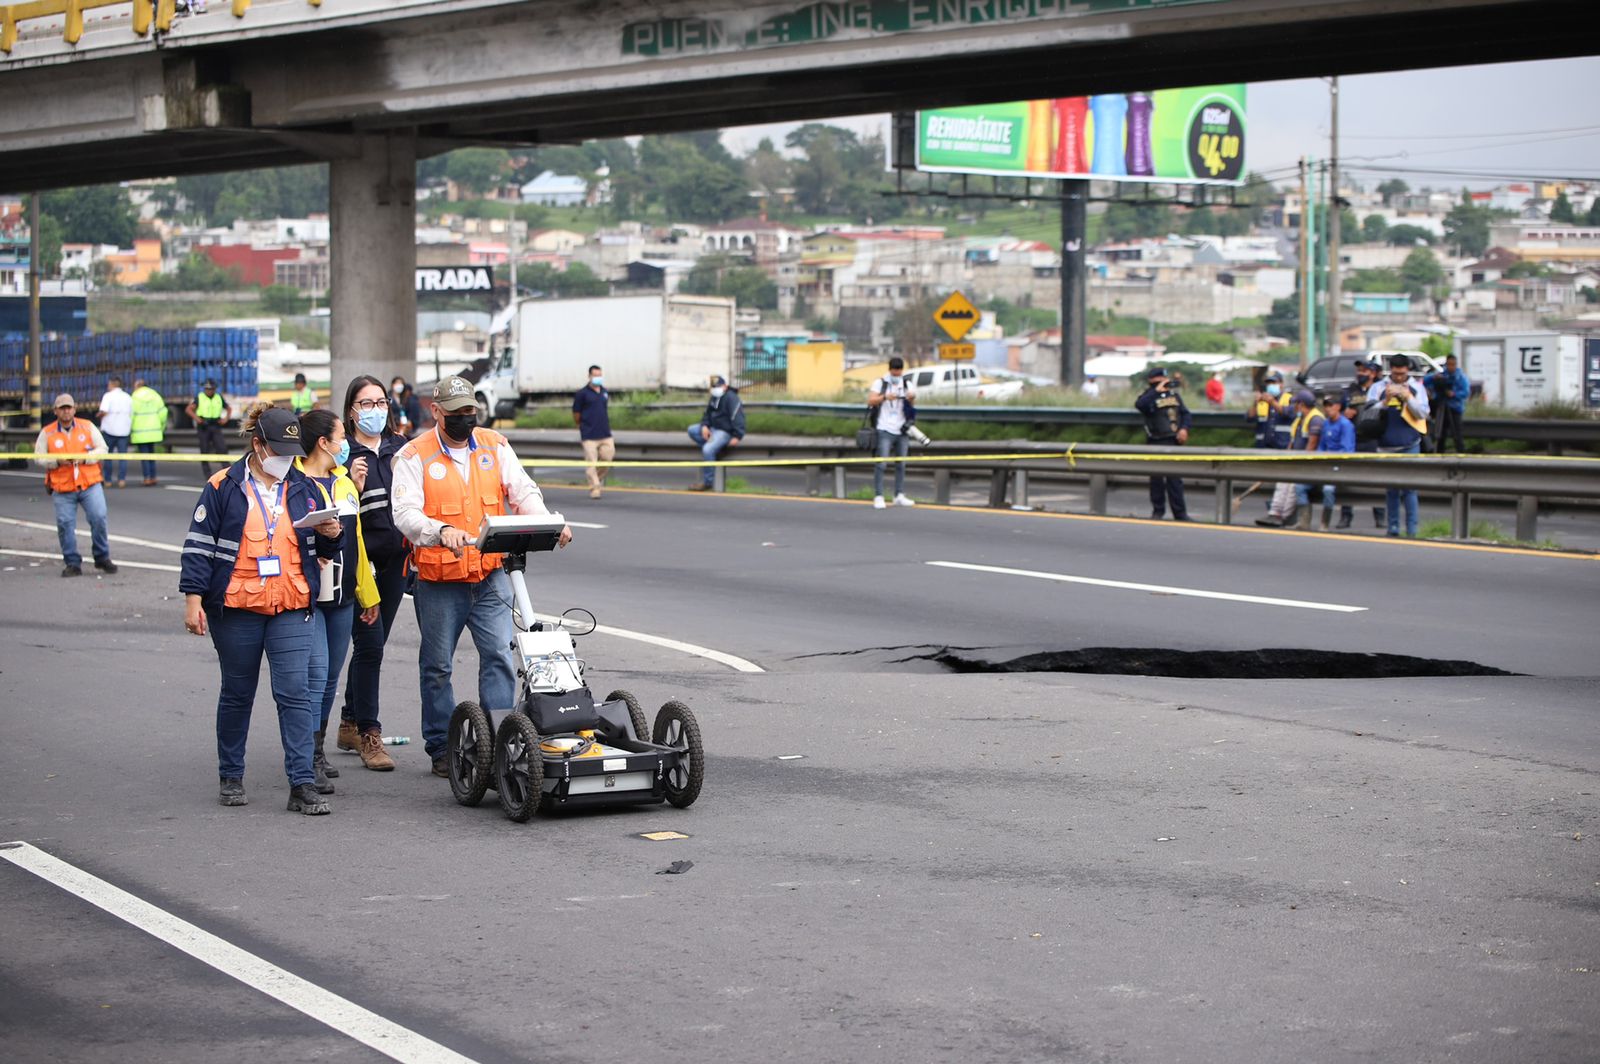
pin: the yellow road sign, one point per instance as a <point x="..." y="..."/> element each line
<point x="958" y="352"/>
<point x="956" y="315"/>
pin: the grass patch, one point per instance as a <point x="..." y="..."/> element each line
<point x="126" y="315"/>
<point x="1482" y="531"/>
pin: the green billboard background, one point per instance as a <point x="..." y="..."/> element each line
<point x="1194" y="135"/>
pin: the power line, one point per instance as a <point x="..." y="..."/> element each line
<point x="1467" y="136"/>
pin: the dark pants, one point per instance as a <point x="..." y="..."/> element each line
<point x="1450" y="426"/>
<point x="148" y="468"/>
<point x="117" y="445"/>
<point x="211" y="442"/>
<point x="1163" y="489"/>
<point x="241" y="637"/>
<point x="366" y="661"/>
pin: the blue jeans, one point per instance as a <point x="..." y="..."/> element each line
<point x="93" y="500"/>
<point x="1394" y="497"/>
<point x="896" y="445"/>
<point x="709" y="449"/>
<point x="240" y="637"/>
<point x="333" y="628"/>
<point x="443" y="610"/>
<point x="366" y="662"/>
<point x="116" y="445"/>
<point x="1302" y="495"/>
<point x="148" y="468"/>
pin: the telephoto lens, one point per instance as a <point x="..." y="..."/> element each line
<point x="917" y="436"/>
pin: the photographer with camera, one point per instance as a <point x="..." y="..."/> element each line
<point x="1166" y="423"/>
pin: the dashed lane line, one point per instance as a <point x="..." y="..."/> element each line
<point x="1160" y="589"/>
<point x="342" y="1015"/>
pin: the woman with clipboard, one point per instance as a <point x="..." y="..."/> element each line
<point x="347" y="580"/>
<point x="250" y="580"/>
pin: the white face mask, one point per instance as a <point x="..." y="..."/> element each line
<point x="277" y="466"/>
<point x="718" y="393"/>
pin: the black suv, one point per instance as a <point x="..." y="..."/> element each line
<point x="1329" y="376"/>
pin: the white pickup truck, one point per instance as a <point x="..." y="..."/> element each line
<point x="944" y="382"/>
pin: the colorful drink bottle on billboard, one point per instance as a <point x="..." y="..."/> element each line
<point x="1141" y="160"/>
<point x="1108" y="113"/>
<point x="1038" y="155"/>
<point x="1072" y="113"/>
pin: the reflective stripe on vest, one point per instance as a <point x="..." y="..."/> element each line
<point x="460" y="504"/>
<point x="286" y="591"/>
<point x="77" y="440"/>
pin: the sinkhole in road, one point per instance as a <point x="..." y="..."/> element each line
<point x="1272" y="664"/>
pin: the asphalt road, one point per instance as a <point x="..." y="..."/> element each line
<point x="958" y="867"/>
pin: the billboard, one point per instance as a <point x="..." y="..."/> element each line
<point x="1185" y="136"/>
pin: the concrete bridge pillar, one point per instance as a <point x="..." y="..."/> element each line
<point x="372" y="194"/>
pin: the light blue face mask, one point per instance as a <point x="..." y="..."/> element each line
<point x="1274" y="390"/>
<point x="372" y="422"/>
<point x="343" y="457"/>
<point x="598" y="382"/>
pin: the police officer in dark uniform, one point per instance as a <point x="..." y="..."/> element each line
<point x="1355" y="397"/>
<point x="1166" y="422"/>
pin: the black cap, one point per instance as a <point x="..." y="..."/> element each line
<point x="717" y="381"/>
<point x="280" y="431"/>
<point x="1155" y="371"/>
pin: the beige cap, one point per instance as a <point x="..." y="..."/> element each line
<point x="63" y="400"/>
<point x="454" y="393"/>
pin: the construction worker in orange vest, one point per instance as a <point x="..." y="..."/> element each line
<point x="75" y="482"/>
<point x="446" y="481"/>
<point x="250" y="580"/>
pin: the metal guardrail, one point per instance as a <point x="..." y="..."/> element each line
<point x="1009" y="466"/>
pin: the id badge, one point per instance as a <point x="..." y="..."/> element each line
<point x="269" y="565"/>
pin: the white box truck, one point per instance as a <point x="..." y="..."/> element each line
<point x="1520" y="370"/>
<point x="643" y="342"/>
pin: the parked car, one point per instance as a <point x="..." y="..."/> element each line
<point x="944" y="382"/>
<point x="1330" y="375"/>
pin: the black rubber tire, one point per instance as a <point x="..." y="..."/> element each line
<point x="676" y="726"/>
<point x="470" y="752"/>
<point x="641" y="726"/>
<point x="485" y="414"/>
<point x="519" y="767"/>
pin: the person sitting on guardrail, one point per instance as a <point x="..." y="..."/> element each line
<point x="1290" y="499"/>
<point x="1338" y="437"/>
<point x="1166" y="423"/>
<point x="1405" y="426"/>
<point x="720" y="428"/>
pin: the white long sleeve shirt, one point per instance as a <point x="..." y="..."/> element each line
<point x="522" y="494"/>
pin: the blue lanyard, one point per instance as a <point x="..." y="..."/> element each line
<point x="277" y="501"/>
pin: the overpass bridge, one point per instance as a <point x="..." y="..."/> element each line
<point x="101" y="90"/>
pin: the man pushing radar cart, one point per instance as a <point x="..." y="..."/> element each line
<point x="557" y="748"/>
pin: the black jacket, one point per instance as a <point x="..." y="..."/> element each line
<point x="384" y="542"/>
<point x="1164" y="413"/>
<point x="727" y="414"/>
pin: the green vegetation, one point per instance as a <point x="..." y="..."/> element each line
<point x="720" y="275"/>
<point x="1483" y="531"/>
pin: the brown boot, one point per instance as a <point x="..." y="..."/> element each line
<point x="349" y="737"/>
<point x="373" y="755"/>
<point x="1304" y="521"/>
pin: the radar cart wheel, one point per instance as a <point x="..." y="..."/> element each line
<point x="677" y="728"/>
<point x="470" y="752"/>
<point x="519" y="767"/>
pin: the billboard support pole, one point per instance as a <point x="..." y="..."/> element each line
<point x="1074" y="235"/>
<point x="1335" y="227"/>
<point x="1305" y="268"/>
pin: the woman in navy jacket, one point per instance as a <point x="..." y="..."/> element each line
<point x="250" y="580"/>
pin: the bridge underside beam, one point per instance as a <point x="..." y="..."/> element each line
<point x="501" y="79"/>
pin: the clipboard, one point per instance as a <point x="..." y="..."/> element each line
<point x="316" y="517"/>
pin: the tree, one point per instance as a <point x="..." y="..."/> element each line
<point x="1349" y="228"/>
<point x="704" y="191"/>
<point x="1392" y="188"/>
<point x="1199" y="222"/>
<point x="282" y="299"/>
<point x="1201" y="341"/>
<point x="1561" y="209"/>
<point x="1233" y="222"/>
<point x="767" y="169"/>
<point x="1421" y="272"/>
<point x="1015" y="320"/>
<point x="1438" y="347"/>
<point x="1402" y="236"/>
<point x="1374" y="229"/>
<point x="575" y="281"/>
<point x="1284" y="319"/>
<point x="98" y="214"/>
<point x="912" y="327"/>
<point x="196" y="273"/>
<point x="1523" y="268"/>
<point x="1125" y="221"/>
<point x="1593" y="217"/>
<point x="1258" y="195"/>
<point x="720" y="275"/>
<point x="477" y="170"/>
<point x="1467" y="226"/>
<point x="1379" y="280"/>
<point x="49" y="245"/>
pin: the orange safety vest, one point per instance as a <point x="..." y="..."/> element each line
<point x="460" y="504"/>
<point x="77" y="440"/>
<point x="247" y="590"/>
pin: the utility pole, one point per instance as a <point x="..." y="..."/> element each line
<point x="35" y="328"/>
<point x="1305" y="266"/>
<point x="1335" y="222"/>
<point x="1074" y="234"/>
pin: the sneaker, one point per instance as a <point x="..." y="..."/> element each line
<point x="877" y="502"/>
<point x="901" y="500"/>
<point x="71" y="570"/>
<point x="699" y="487"/>
<point x="1271" y="521"/>
<point x="349" y="738"/>
<point x="373" y="755"/>
<point x="594" y="493"/>
<point x="441" y="766"/>
<point x="232" y="792"/>
<point x="305" y="799"/>
<point x="106" y="565"/>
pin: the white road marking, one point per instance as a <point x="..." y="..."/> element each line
<point x="1189" y="592"/>
<point x="345" y="1017"/>
<point x="183" y="487"/>
<point x="130" y="565"/>
<point x="585" y="524"/>
<point x="133" y="541"/>
<point x="15" y="473"/>
<point x="733" y="662"/>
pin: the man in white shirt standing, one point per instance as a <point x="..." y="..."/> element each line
<point x="889" y="397"/>
<point x="116" y="425"/>
<point x="446" y="481"/>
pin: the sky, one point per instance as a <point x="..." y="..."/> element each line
<point x="1508" y="119"/>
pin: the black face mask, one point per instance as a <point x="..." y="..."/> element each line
<point x="460" y="426"/>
